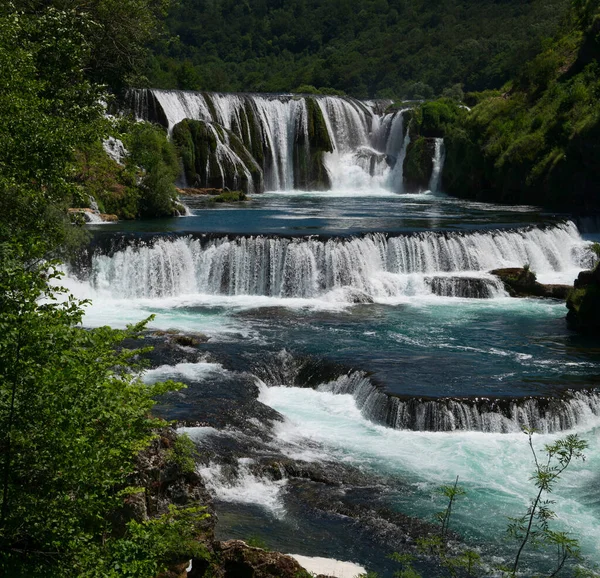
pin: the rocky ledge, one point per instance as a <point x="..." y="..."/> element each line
<point x="583" y="303"/>
<point x="166" y="482"/>
<point x="521" y="282"/>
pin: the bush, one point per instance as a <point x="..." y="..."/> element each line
<point x="73" y="417"/>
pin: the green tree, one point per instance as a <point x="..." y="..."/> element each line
<point x="533" y="526"/>
<point x="47" y="110"/>
<point x="73" y="417"/>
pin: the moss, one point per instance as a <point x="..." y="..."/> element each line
<point x="584" y="309"/>
<point x="230" y="197"/>
<point x="207" y="167"/>
<point x="418" y="164"/>
<point x="211" y="106"/>
<point x="318" y="135"/>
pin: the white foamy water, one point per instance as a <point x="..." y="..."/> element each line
<point x="493" y="468"/>
<point x="373" y="267"/>
<point x="329" y="566"/>
<point x="244" y="487"/>
<point x="190" y="371"/>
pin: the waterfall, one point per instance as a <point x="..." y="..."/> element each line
<point x="438" y="165"/>
<point x="544" y="414"/>
<point x="366" y="143"/>
<point x="374" y="266"/>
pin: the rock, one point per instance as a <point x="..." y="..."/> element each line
<point x="418" y="164"/>
<point x="238" y="560"/>
<point x="215" y="158"/>
<point x="583" y="303"/>
<point x="173" y="336"/>
<point x="109" y="218"/>
<point x="310" y="172"/>
<point x="521" y="282"/>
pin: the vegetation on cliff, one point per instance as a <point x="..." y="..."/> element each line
<point x="142" y="184"/>
<point x="537" y="140"/>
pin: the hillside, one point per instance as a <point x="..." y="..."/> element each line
<point x="366" y="48"/>
<point x="537" y="140"/>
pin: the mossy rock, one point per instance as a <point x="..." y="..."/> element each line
<point x="418" y="164"/>
<point x="230" y="197"/>
<point x="310" y="172"/>
<point x="584" y="309"/>
<point x="318" y="135"/>
<point x="522" y="282"/>
<point x="214" y="157"/>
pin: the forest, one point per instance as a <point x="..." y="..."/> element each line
<point x="410" y="49"/>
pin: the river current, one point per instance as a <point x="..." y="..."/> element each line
<point x="368" y="324"/>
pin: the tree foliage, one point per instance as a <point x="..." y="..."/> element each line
<point x="366" y="48"/>
<point x="73" y="416"/>
<point x="536" y="141"/>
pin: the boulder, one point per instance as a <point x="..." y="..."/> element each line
<point x="418" y="164"/>
<point x="521" y="282"/>
<point x="238" y="560"/>
<point x="583" y="303"/>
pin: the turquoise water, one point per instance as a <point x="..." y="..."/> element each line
<point x="407" y="339"/>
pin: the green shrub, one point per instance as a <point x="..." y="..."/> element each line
<point x="182" y="454"/>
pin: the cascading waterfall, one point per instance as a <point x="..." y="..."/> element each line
<point x="545" y="414"/>
<point x="368" y="145"/>
<point x="501" y="415"/>
<point x="361" y="268"/>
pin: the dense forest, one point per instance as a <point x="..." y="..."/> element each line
<point x="365" y="48"/>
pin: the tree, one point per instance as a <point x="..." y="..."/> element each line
<point x="74" y="415"/>
<point x="47" y="110"/>
<point x="117" y="33"/>
<point x="533" y="526"/>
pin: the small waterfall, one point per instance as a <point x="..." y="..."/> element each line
<point x="359" y="269"/>
<point x="544" y="414"/>
<point x="396" y="176"/>
<point x="501" y="415"/>
<point x="92" y="218"/>
<point x="438" y="166"/>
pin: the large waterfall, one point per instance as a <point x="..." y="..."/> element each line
<point x="359" y="143"/>
<point x="361" y="269"/>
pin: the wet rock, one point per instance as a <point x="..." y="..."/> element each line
<point x="418" y="164"/>
<point x="521" y="282"/>
<point x="215" y="158"/>
<point x="238" y="560"/>
<point x="583" y="303"/>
